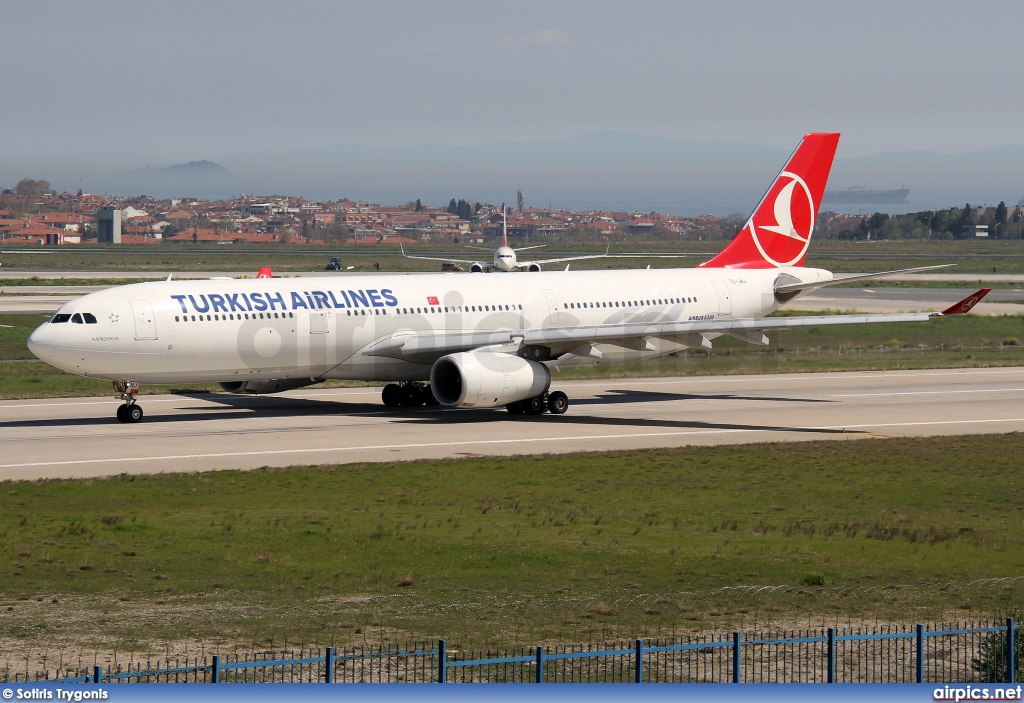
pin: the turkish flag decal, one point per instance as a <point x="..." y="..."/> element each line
<point x="432" y="300"/>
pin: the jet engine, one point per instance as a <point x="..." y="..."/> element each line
<point x="534" y="267"/>
<point x="476" y="268"/>
<point x="261" y="387"/>
<point x="486" y="379"/>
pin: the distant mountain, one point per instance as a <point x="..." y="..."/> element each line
<point x="197" y="178"/>
<point x="192" y="169"/>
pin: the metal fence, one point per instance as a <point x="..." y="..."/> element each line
<point x="939" y="653"/>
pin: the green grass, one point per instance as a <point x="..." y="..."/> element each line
<point x="521" y="549"/>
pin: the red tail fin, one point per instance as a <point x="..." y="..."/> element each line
<point x="779" y="231"/>
<point x="265" y="272"/>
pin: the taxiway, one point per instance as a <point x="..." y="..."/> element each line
<point x="80" y="437"/>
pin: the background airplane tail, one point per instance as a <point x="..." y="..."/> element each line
<point x="779" y="231"/>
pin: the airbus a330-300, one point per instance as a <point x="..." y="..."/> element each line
<point x="456" y="339"/>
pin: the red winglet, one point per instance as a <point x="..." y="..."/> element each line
<point x="265" y="272"/>
<point x="966" y="304"/>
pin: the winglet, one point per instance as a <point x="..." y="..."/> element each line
<point x="966" y="304"/>
<point x="265" y="272"/>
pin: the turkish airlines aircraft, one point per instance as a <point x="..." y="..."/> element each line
<point x="481" y="341"/>
<point x="505" y="256"/>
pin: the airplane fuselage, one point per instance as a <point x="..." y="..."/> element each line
<point x="223" y="330"/>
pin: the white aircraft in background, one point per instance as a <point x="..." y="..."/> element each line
<point x="505" y="256"/>
<point x="481" y="341"/>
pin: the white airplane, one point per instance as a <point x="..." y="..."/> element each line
<point x="504" y="256"/>
<point x="481" y="341"/>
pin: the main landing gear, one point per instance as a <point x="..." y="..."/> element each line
<point x="408" y="395"/>
<point x="131" y="411"/>
<point x="555" y="403"/>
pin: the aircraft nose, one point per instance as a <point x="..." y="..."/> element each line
<point x="40" y="342"/>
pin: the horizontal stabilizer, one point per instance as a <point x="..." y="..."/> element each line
<point x="787" y="290"/>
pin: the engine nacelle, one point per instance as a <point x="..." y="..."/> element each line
<point x="261" y="387"/>
<point x="486" y="379"/>
<point x="476" y="268"/>
<point x="535" y="267"/>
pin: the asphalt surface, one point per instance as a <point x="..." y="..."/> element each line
<point x="80" y="436"/>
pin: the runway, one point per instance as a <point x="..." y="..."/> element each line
<point x="80" y="437"/>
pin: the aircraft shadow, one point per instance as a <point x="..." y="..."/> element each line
<point x="232" y="407"/>
<point x="612" y="397"/>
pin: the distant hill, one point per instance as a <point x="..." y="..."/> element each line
<point x="192" y="168"/>
<point x="197" y="178"/>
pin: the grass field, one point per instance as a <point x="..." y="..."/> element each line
<point x="522" y="549"/>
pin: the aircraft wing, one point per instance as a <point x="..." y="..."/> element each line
<point x="446" y="259"/>
<point x="410" y="344"/>
<point x="524" y="264"/>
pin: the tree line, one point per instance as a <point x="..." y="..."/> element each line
<point x="951" y="223"/>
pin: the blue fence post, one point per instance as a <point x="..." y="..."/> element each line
<point x="831" y="655"/>
<point x="736" y="657"/>
<point x="920" y="653"/>
<point x="639" y="662"/>
<point x="540" y="665"/>
<point x="215" y="675"/>
<point x="329" y="665"/>
<point x="97" y="674"/>
<point x="442" y="662"/>
<point x="1011" y="651"/>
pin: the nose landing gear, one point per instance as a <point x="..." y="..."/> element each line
<point x="131" y="411"/>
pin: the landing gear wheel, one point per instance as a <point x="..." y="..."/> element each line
<point x="515" y="408"/>
<point x="392" y="395"/>
<point x="128" y="391"/>
<point x="534" y="406"/>
<point x="558" y="403"/>
<point x="412" y="396"/>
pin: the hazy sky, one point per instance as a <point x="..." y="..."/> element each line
<point x="189" y="80"/>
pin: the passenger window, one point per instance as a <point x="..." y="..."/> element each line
<point x="57" y="319"/>
<point x="76" y="318"/>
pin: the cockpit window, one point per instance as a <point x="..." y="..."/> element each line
<point x="62" y="317"/>
<point x="77" y="318"/>
<point x="90" y="319"/>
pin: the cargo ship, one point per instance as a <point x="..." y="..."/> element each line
<point x="858" y="195"/>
